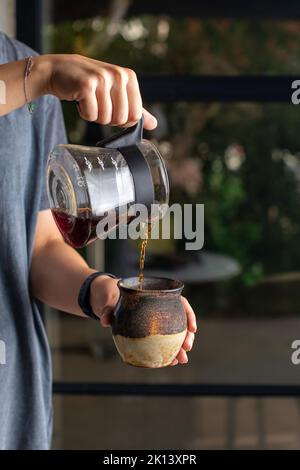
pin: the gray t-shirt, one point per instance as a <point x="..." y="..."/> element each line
<point x="25" y="364"/>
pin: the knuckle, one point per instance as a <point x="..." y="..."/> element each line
<point x="87" y="84"/>
<point x="130" y="73"/>
<point x="103" y="77"/>
<point x="76" y="56"/>
<point x="119" y="74"/>
<point x="112" y="299"/>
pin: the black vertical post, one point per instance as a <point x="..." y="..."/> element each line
<point x="29" y="16"/>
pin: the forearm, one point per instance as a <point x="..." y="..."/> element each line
<point x="57" y="272"/>
<point x="12" y="75"/>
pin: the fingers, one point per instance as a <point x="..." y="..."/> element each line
<point x="88" y="105"/>
<point x="109" y="94"/>
<point x="150" y="122"/>
<point x="104" y="101"/>
<point x="104" y="296"/>
<point x="106" y="317"/>
<point x="119" y="98"/>
<point x="135" y="107"/>
<point x="182" y="357"/>
<point x="189" y="341"/>
<point x="105" y="93"/>
<point x="190" y="315"/>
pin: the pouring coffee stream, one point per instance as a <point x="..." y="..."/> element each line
<point x="146" y="228"/>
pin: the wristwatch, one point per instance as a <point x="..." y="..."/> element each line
<point x="84" y="294"/>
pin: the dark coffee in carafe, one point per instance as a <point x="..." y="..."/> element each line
<point x="78" y="230"/>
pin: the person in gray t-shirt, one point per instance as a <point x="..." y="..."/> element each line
<point x="36" y="264"/>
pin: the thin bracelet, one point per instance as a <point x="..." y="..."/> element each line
<point x="30" y="104"/>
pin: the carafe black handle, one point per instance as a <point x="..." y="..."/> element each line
<point x="126" y="143"/>
<point x="130" y="136"/>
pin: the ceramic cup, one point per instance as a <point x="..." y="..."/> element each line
<point x="150" y="325"/>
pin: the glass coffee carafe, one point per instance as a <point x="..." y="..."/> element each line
<point x="86" y="184"/>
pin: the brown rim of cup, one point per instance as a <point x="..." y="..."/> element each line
<point x="177" y="285"/>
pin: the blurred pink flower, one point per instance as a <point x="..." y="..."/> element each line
<point x="186" y="174"/>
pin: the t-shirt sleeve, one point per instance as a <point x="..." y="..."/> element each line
<point x="55" y="133"/>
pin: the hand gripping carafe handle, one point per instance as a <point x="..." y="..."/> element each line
<point x="126" y="143"/>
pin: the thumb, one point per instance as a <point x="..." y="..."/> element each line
<point x="107" y="316"/>
<point x="150" y="122"/>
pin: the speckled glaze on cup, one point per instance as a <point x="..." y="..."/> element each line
<point x="150" y="324"/>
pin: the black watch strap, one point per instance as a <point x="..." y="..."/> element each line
<point x="84" y="294"/>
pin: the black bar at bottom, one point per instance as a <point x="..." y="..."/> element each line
<point x="175" y="390"/>
<point x="134" y="458"/>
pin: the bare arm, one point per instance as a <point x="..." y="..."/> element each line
<point x="106" y="93"/>
<point x="57" y="272"/>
